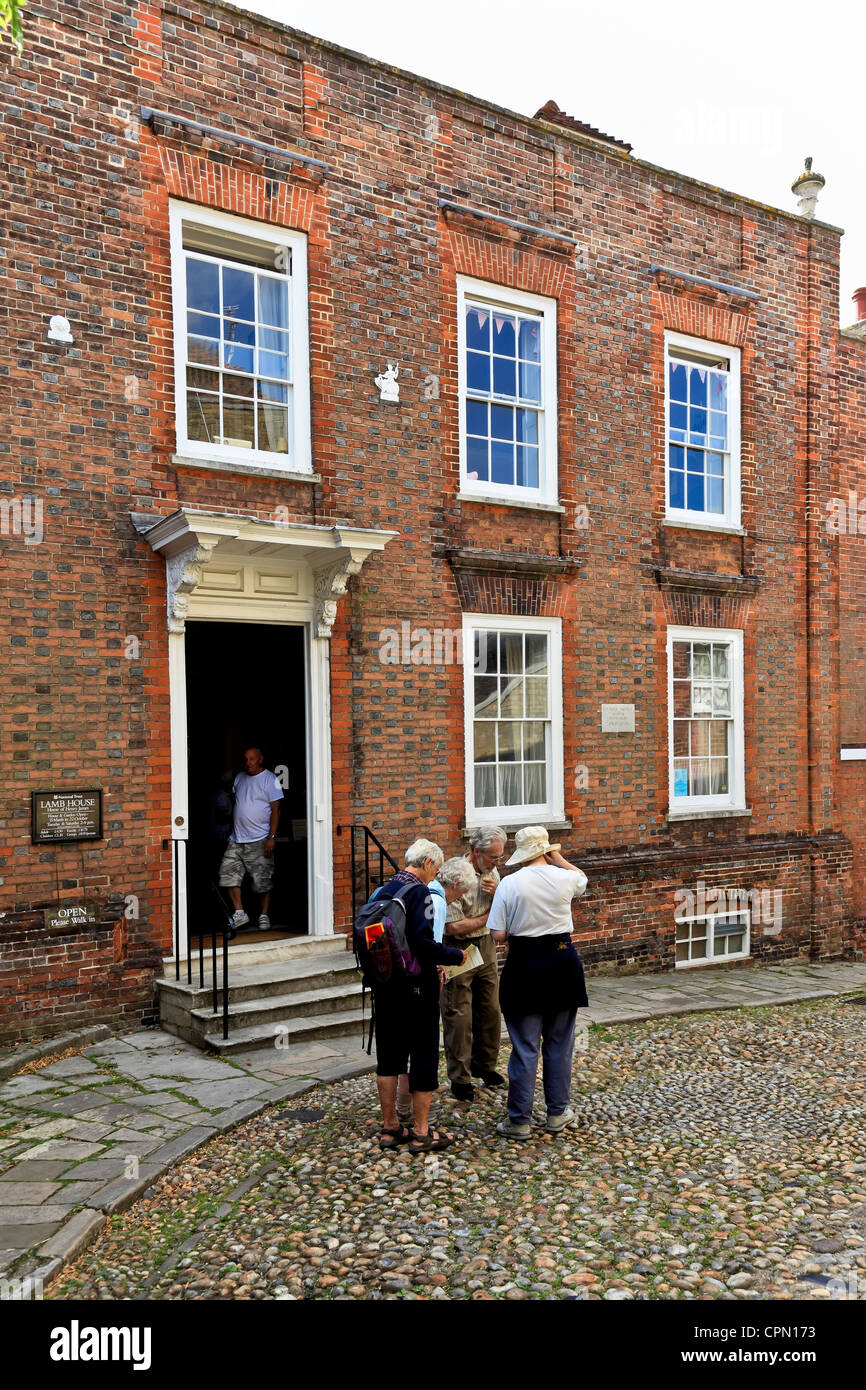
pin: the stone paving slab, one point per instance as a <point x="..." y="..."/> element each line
<point x="25" y="1194"/>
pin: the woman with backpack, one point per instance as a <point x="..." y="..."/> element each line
<point x="398" y="954"/>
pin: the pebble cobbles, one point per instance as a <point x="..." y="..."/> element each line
<point x="715" y="1157"/>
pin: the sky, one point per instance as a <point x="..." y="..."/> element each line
<point x="736" y="93"/>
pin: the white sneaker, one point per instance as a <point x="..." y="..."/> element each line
<point x="239" y="918"/>
<point x="509" y="1130"/>
<point x="264" y="922"/>
<point x="557" y="1122"/>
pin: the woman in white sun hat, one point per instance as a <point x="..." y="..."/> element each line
<point x="542" y="985"/>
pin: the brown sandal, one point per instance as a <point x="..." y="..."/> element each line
<point x="432" y="1142"/>
<point x="390" y="1138"/>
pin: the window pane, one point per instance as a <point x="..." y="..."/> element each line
<point x="274" y="364"/>
<point x="203" y="350"/>
<point x="239" y="293"/>
<point x="698" y="426"/>
<point x="511" y="696"/>
<point x="722" y="699"/>
<point x="527" y="466"/>
<point x="504" y="378"/>
<point x="509" y="742"/>
<point x="202" y="285"/>
<point x="477" y="418"/>
<point x="485" y="785"/>
<point x="530" y="340"/>
<point x="681" y="738"/>
<point x="718" y="430"/>
<point x="695" y="493"/>
<point x="476" y="458"/>
<point x="534" y="746"/>
<point x="205" y="325"/>
<point x="511" y="652"/>
<point x="535" y="777"/>
<point x="238" y="385"/>
<point x="699" y="732"/>
<point x="511" y="784"/>
<point x="702" y="699"/>
<point x="718" y="391"/>
<point x="527" y="426"/>
<point x="701" y="660"/>
<point x="477" y="372"/>
<point x="477" y="328"/>
<point x="273" y="301"/>
<point x="504" y="337"/>
<point x="682" y="660"/>
<point x="273" y="392"/>
<point x="501" y="462"/>
<point x="530" y="382"/>
<point x="502" y="422"/>
<point x="715" y="496"/>
<point x="682" y="699"/>
<point x="536" y="653"/>
<point x="274" y="428"/>
<point x="698" y="385"/>
<point x="536" y="695"/>
<point x="202" y="380"/>
<point x="273" y="340"/>
<point x="485" y="648"/>
<point x="681" y="777"/>
<point x="719" y="771"/>
<point x="485" y="742"/>
<point x="682" y="950"/>
<point x="678" y="489"/>
<point x="202" y="417"/>
<point x="678" y="416"/>
<point x="677" y="381"/>
<point x="700" y="777"/>
<point x="240" y="359"/>
<point x="719" y="737"/>
<point x="238" y="423"/>
<point x="485" y="697"/>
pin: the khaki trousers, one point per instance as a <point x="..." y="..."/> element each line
<point x="471" y="1021"/>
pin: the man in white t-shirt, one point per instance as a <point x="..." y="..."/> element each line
<point x="257" y="794"/>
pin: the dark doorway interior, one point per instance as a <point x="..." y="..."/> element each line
<point x="245" y="685"/>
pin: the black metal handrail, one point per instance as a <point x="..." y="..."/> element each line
<point x="363" y="879"/>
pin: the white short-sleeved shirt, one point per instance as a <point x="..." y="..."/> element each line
<point x="253" y="797"/>
<point x="536" y="901"/>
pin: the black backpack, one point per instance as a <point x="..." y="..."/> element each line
<point x="381" y="942"/>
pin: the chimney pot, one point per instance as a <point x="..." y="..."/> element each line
<point x="859" y="298"/>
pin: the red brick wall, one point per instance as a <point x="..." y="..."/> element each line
<point x="87" y="184"/>
<point x="847" y="513"/>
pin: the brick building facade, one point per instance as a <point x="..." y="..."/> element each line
<point x="624" y="405"/>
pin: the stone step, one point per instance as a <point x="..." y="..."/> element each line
<point x="280" y="1008"/>
<point x="264" y="952"/>
<point x="309" y="1028"/>
<point x="259" y="981"/>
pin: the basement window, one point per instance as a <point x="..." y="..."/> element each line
<point x="716" y="937"/>
<point x="240" y="334"/>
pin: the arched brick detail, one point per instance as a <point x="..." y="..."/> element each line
<point x="512" y="595"/>
<point x="702" y="313"/>
<point x="231" y="188"/>
<point x="705" y="610"/>
<point x="487" y="257"/>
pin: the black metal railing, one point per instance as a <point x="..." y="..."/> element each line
<point x="224" y="932"/>
<point x="366" y="875"/>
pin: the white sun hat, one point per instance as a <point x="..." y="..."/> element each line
<point x="529" y="843"/>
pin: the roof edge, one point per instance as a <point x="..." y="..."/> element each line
<point x="561" y="132"/>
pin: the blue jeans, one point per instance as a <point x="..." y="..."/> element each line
<point x="555" y="1033"/>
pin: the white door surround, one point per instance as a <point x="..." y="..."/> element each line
<point x="231" y="568"/>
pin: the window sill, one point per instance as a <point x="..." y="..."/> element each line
<point x="726" y="811"/>
<point x="259" y="470"/>
<point x="551" y="826"/>
<point x="721" y="526"/>
<point x="711" y="963"/>
<point x="507" y="502"/>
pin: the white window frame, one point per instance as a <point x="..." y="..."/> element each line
<point x="500" y="297"/>
<point x="711" y="959"/>
<point x="730" y="518"/>
<point x="735" y="798"/>
<point x="299" y="457"/>
<point x="554" y="809"/>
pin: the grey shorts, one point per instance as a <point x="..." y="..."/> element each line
<point x="251" y="859"/>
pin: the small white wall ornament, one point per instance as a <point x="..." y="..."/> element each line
<point x="807" y="187"/>
<point x="389" y="389"/>
<point x="59" y="330"/>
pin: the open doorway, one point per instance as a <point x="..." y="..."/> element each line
<point x="245" y="687"/>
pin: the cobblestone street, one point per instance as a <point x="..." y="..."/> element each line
<point x="716" y="1157"/>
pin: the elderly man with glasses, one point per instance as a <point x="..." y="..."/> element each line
<point x="471" y="1020"/>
